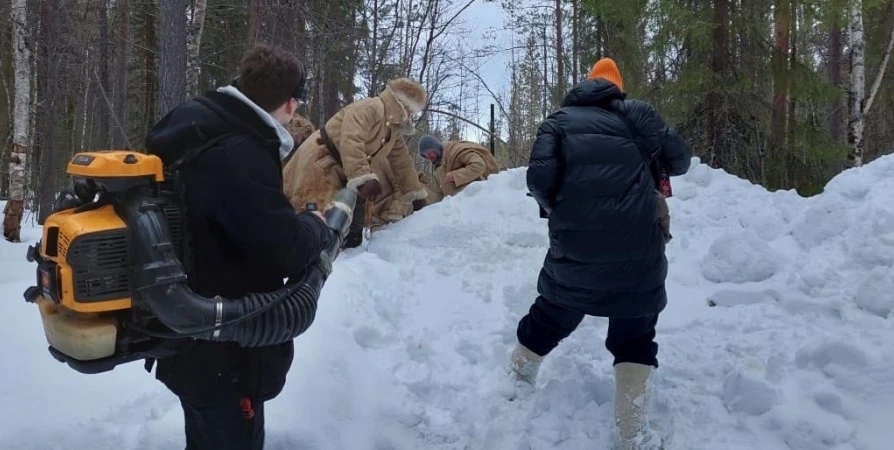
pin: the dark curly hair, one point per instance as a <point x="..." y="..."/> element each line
<point x="269" y="76"/>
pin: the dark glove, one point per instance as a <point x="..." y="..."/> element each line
<point x="352" y="240"/>
<point x="370" y="190"/>
<point x="418" y="204"/>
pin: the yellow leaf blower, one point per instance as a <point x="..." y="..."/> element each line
<point x="111" y="287"/>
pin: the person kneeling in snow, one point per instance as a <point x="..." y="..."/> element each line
<point x="343" y="153"/>
<point x="606" y="255"/>
<point x="457" y="164"/>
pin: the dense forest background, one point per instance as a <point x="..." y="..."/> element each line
<point x="786" y="93"/>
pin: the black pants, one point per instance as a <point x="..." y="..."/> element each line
<point x="233" y="424"/>
<point x="628" y="340"/>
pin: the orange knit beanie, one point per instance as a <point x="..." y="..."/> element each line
<point x="607" y="69"/>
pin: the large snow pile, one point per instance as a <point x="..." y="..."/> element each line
<point x="409" y="347"/>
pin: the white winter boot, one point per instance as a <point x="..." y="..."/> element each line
<point x="525" y="364"/>
<point x="633" y="384"/>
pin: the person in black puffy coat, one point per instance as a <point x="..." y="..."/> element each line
<point x="606" y="247"/>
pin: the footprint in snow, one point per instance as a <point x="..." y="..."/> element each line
<point x="370" y="338"/>
<point x="519" y="297"/>
<point x="731" y="298"/>
<point x="472" y="352"/>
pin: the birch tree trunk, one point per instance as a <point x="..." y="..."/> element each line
<point x="575" y="43"/>
<point x="18" y="157"/>
<point x="856" y="43"/>
<point x="881" y="73"/>
<point x="193" y="62"/>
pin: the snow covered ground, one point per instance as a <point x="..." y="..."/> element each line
<point x="409" y="347"/>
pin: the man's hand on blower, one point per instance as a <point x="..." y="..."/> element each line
<point x="320" y="215"/>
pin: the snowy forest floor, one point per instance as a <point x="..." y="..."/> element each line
<point x="410" y="343"/>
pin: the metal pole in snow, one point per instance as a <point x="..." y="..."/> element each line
<point x="493" y="147"/>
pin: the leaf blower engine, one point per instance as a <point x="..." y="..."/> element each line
<point x="111" y="286"/>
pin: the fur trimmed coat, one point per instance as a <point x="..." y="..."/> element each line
<point x="363" y="132"/>
<point x="467" y="161"/>
<point x="390" y="206"/>
<point x="300" y="128"/>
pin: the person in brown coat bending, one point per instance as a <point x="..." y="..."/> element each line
<point x="388" y="207"/>
<point x="457" y="164"/>
<point x="348" y="148"/>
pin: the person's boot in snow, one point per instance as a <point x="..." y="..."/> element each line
<point x="632" y="396"/>
<point x="524" y="364"/>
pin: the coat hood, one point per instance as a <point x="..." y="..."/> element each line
<point x="285" y="138"/>
<point x="429" y="142"/>
<point x="225" y="111"/>
<point x="593" y="93"/>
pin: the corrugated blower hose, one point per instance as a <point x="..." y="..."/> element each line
<point x="111" y="284"/>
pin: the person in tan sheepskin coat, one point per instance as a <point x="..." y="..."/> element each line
<point x="300" y="128"/>
<point x="360" y="134"/>
<point x="456" y="165"/>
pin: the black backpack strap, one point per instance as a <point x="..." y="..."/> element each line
<point x="190" y="155"/>
<point x="648" y="161"/>
<point x="330" y="145"/>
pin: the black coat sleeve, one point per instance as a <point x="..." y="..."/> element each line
<point x="258" y="218"/>
<point x="545" y="165"/>
<point x="674" y="155"/>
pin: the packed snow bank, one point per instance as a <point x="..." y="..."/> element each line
<point x="409" y="346"/>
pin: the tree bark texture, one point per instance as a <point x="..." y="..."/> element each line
<point x="193" y="46"/>
<point x="857" y="93"/>
<point x="122" y="58"/>
<point x="18" y="155"/>
<point x="172" y="55"/>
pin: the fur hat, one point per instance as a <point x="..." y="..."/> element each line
<point x="409" y="93"/>
<point x="428" y="142"/>
<point x="606" y="69"/>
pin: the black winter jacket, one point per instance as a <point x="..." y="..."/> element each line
<point x="247" y="238"/>
<point x="606" y="255"/>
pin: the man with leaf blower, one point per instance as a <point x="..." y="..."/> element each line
<point x="245" y="238"/>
